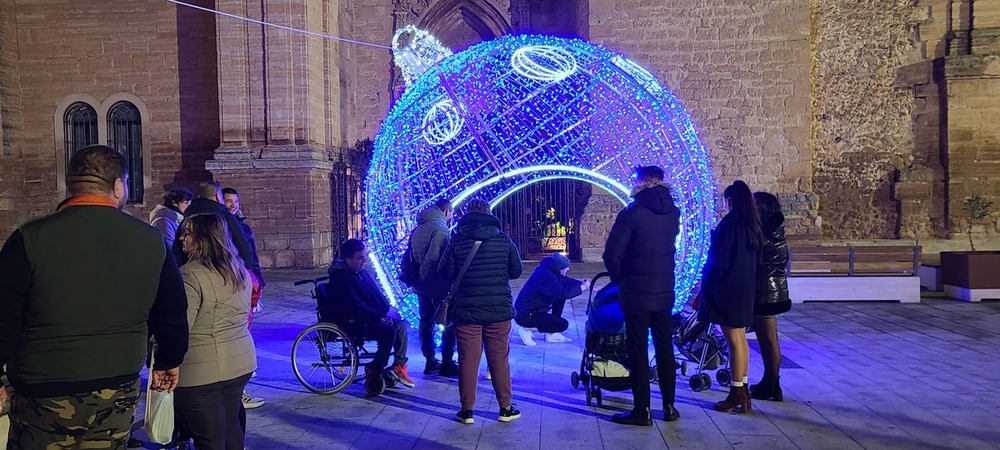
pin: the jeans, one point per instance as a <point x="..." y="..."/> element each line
<point x="389" y="338"/>
<point x="545" y="322"/>
<point x="428" y="305"/>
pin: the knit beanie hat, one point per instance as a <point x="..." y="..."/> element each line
<point x="559" y="261"/>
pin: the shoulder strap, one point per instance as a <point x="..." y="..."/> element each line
<point x="468" y="261"/>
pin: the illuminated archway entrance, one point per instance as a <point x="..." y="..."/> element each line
<point x="520" y="109"/>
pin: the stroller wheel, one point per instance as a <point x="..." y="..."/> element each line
<point x="652" y="374"/>
<point x="585" y="379"/>
<point x="706" y="381"/>
<point x="574" y="379"/>
<point x="590" y="397"/>
<point x="598" y="397"/>
<point x="684" y="368"/>
<point x="696" y="383"/>
<point x="724" y="377"/>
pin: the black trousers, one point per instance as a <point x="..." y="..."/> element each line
<point x="390" y="339"/>
<point x="545" y="322"/>
<point x="210" y="414"/>
<point x="428" y="305"/>
<point x="637" y="328"/>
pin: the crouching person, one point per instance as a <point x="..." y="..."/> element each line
<point x="358" y="297"/>
<point x="540" y="302"/>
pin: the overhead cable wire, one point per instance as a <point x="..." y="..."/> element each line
<point x="282" y="27"/>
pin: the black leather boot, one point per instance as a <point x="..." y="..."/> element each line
<point x="636" y="416"/>
<point x="670" y="414"/>
<point x="737" y="399"/>
<point x="767" y="389"/>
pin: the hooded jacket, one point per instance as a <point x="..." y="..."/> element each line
<point x="544" y="287"/>
<point x="428" y="242"/>
<point x="254" y="266"/>
<point x="639" y="253"/>
<point x="207" y="206"/>
<point x="772" y="280"/>
<point x="353" y="294"/>
<point x="166" y="220"/>
<point x="484" y="296"/>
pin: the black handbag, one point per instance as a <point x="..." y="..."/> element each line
<point x="441" y="313"/>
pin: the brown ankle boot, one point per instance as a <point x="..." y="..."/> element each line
<point x="737" y="398"/>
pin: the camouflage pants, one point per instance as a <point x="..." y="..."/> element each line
<point x="92" y="420"/>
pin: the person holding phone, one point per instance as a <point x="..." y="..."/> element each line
<point x="542" y="299"/>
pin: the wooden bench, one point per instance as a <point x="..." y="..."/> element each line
<point x="854" y="273"/>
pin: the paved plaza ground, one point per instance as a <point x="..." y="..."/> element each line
<point x="855" y="375"/>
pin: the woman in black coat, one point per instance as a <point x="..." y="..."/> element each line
<point x="729" y="282"/>
<point x="772" y="294"/>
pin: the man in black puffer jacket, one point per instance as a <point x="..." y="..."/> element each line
<point x="208" y="200"/>
<point x="483" y="305"/>
<point x="639" y="256"/>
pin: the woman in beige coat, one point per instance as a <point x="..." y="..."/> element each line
<point x="221" y="354"/>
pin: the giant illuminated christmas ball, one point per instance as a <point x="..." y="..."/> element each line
<point x="489" y="120"/>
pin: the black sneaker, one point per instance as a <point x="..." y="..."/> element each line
<point x="134" y="443"/>
<point x="432" y="367"/>
<point x="465" y="416"/>
<point x="448" y="369"/>
<point x="509" y="413"/>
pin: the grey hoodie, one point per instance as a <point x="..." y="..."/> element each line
<point x="166" y="220"/>
<point x="428" y="241"/>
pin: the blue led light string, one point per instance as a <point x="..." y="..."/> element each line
<point x="525" y="109"/>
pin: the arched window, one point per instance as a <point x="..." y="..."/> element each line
<point x="125" y="135"/>
<point x="80" y="124"/>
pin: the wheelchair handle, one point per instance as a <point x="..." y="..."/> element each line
<point x="313" y="281"/>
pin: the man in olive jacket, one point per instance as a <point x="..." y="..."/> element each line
<point x="79" y="291"/>
<point x="639" y="256"/>
<point x="427" y="244"/>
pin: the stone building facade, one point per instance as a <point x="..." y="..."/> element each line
<point x="870" y="119"/>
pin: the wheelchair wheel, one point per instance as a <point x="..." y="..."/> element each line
<point x="324" y="359"/>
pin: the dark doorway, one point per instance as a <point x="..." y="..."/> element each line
<point x="349" y="170"/>
<point x="543" y="217"/>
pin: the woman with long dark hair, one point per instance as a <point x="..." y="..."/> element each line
<point x="772" y="294"/>
<point x="729" y="281"/>
<point x="221" y="353"/>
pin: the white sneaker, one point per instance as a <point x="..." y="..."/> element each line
<point x="488" y="376"/>
<point x="250" y="402"/>
<point x="556" y="338"/>
<point x="525" y="336"/>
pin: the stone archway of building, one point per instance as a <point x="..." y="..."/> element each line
<point x="446" y="18"/>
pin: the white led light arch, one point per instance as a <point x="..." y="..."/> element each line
<point x="502" y="114"/>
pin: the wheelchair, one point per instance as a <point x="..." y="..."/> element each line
<point x="327" y="355"/>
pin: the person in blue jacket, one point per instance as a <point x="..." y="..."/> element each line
<point x="541" y="301"/>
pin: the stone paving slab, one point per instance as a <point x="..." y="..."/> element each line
<point x="856" y="375"/>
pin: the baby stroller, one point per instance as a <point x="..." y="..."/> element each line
<point x="604" y="364"/>
<point x="703" y="344"/>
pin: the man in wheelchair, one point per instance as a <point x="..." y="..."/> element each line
<point x="356" y="299"/>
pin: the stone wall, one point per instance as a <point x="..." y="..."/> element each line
<point x="862" y="131"/>
<point x="11" y="174"/>
<point x="100" y="50"/>
<point x="740" y="68"/>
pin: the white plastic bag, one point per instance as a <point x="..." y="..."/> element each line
<point x="159" y="418"/>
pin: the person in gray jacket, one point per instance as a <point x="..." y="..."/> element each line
<point x="221" y="355"/>
<point x="427" y="243"/>
<point x="166" y="217"/>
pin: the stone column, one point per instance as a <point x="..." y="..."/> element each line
<point x="277" y="97"/>
<point x="971" y="76"/>
<point x="595" y="224"/>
